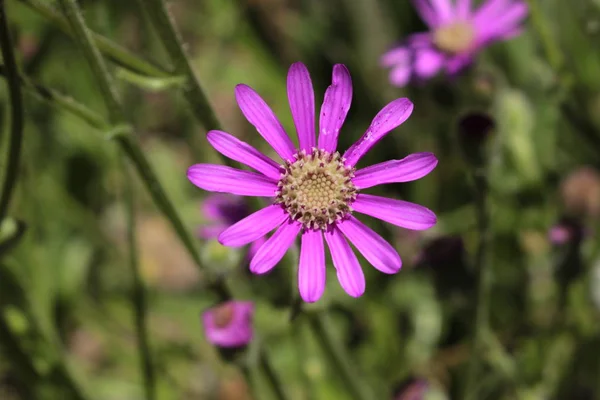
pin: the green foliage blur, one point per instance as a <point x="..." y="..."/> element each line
<point x="66" y="286"/>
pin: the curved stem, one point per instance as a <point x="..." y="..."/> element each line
<point x="16" y="114"/>
<point x="59" y="100"/>
<point x="112" y="50"/>
<point x="139" y="300"/>
<point x="337" y="356"/>
<point x="482" y="264"/>
<point x="165" y="27"/>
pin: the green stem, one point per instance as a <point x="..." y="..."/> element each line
<point x="482" y="263"/>
<point x="84" y="38"/>
<point x="25" y="367"/>
<point x="139" y="300"/>
<point x="16" y="117"/>
<point x="338" y="358"/>
<point x="278" y="388"/>
<point x="113" y="51"/>
<point x="550" y="46"/>
<point x="165" y="27"/>
<point x="61" y="101"/>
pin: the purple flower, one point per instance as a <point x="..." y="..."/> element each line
<point x="222" y="211"/>
<point x="229" y="324"/>
<point x="316" y="189"/>
<point x="456" y="34"/>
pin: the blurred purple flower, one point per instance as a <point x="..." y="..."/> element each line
<point x="223" y="210"/>
<point x="316" y="189"/>
<point x="566" y="230"/>
<point x="456" y="34"/>
<point x="229" y="324"/>
<point x="414" y="390"/>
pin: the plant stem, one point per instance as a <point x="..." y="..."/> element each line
<point x="61" y="101"/>
<point x="338" y="358"/>
<point x="265" y="364"/>
<point x="139" y="300"/>
<point x="16" y="115"/>
<point x="112" y="50"/>
<point x="165" y="28"/>
<point x="483" y="266"/>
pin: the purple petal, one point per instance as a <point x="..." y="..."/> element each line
<point x="349" y="272"/>
<point x="237" y="150"/>
<point x="489" y="10"/>
<point x="373" y="247"/>
<point x="390" y="117"/>
<point x="426" y="12"/>
<point x="443" y="10"/>
<point x="457" y="63"/>
<point x="400" y="76"/>
<point x="335" y="108"/>
<point x="463" y="9"/>
<point x="428" y="62"/>
<point x="254" y="246"/>
<point x="274" y="248"/>
<point x="398" y="55"/>
<point x="410" y="168"/>
<point x="302" y="104"/>
<point x="259" y="114"/>
<point x="219" y="178"/>
<point x="402" y="213"/>
<point x="502" y="23"/>
<point x="254" y="226"/>
<point x="237" y="332"/>
<point x="210" y="232"/>
<point x="311" y="270"/>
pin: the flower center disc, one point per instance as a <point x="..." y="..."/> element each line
<point x="316" y="189"/>
<point x="454" y="38"/>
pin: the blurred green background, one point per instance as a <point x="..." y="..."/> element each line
<point x="66" y="288"/>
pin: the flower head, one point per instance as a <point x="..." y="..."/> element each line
<point x="456" y="34"/>
<point x="223" y="210"/>
<point x="317" y="190"/>
<point x="229" y="324"/>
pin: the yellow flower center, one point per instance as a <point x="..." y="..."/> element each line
<point x="316" y="189"/>
<point x="454" y="38"/>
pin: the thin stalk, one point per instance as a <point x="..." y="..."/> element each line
<point x="110" y="49"/>
<point x="84" y="39"/>
<point x="338" y="357"/>
<point x="483" y="266"/>
<point x="165" y="28"/>
<point x="25" y="366"/>
<point x="122" y="134"/>
<point x="139" y="300"/>
<point x="61" y="101"/>
<point x="16" y="115"/>
<point x="549" y="45"/>
<point x="276" y="384"/>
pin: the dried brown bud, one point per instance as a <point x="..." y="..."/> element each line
<point x="580" y="192"/>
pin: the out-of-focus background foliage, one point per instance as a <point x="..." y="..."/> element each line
<point x="66" y="287"/>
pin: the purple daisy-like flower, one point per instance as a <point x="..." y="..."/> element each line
<point x="457" y="33"/>
<point x="229" y="324"/>
<point x="223" y="210"/>
<point x="316" y="189"/>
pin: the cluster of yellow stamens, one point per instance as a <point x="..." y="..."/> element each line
<point x="454" y="38"/>
<point x="316" y="189"/>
